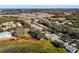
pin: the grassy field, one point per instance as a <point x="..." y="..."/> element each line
<point x="29" y="46"/>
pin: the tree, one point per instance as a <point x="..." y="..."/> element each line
<point x="36" y="34"/>
<point x="57" y="44"/>
<point x="19" y="31"/>
<point x="65" y="38"/>
<point x="1" y="30"/>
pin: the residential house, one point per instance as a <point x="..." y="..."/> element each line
<point x="35" y="27"/>
<point x="71" y="49"/>
<point x="18" y="24"/>
<point x="5" y="35"/>
<point x="52" y="37"/>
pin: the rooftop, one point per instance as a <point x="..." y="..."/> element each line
<point x="5" y="35"/>
<point x="71" y="49"/>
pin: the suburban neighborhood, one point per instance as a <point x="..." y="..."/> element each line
<point x="59" y="28"/>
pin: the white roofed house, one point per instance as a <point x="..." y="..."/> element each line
<point x="8" y="25"/>
<point x="18" y="24"/>
<point x="52" y="37"/>
<point x="71" y="49"/>
<point x="5" y="35"/>
<point x="35" y="27"/>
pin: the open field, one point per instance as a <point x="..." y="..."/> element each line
<point x="29" y="46"/>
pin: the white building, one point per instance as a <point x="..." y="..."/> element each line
<point x="71" y="49"/>
<point x="36" y="27"/>
<point x="19" y="24"/>
<point x="52" y="37"/>
<point x="5" y="35"/>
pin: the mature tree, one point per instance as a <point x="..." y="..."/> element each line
<point x="36" y="34"/>
<point x="65" y="38"/>
<point x="57" y="44"/>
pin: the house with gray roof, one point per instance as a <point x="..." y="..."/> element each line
<point x="71" y="48"/>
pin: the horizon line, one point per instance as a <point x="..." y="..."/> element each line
<point x="39" y="6"/>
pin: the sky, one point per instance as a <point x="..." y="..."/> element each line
<point x="39" y="6"/>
